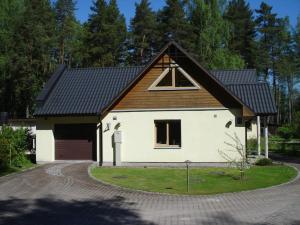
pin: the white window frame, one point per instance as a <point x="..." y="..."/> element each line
<point x="154" y="86"/>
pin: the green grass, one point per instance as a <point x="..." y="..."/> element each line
<point x="8" y="170"/>
<point x="202" y="180"/>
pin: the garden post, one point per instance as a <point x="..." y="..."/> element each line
<point x="187" y="162"/>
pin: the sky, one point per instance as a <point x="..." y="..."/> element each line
<point x="283" y="8"/>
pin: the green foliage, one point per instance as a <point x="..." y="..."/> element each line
<point x="143" y="33"/>
<point x="4" y="153"/>
<point x="66" y="30"/>
<point x="210" y="37"/>
<point x="286" y="131"/>
<point x="242" y="40"/>
<point x="29" y="43"/>
<point x="14" y="142"/>
<point x="264" y="162"/>
<point x="266" y="27"/>
<point x="105" y="35"/>
<point x="173" y="24"/>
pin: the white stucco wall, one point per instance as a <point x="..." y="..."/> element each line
<point x="45" y="142"/>
<point x="203" y="133"/>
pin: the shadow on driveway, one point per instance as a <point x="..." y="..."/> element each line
<point x="48" y="211"/>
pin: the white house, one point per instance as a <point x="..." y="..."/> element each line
<point x="169" y="111"/>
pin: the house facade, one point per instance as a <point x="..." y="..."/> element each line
<point x="169" y="111"/>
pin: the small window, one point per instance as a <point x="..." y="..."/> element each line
<point x="167" y="133"/>
<point x="238" y="121"/>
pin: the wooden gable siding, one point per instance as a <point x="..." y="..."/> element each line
<point x="139" y="97"/>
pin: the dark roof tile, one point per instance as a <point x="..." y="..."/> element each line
<point x="257" y="96"/>
<point x="235" y="76"/>
<point x="86" y="91"/>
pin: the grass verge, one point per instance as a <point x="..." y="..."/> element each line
<point x="9" y="170"/>
<point x="202" y="180"/>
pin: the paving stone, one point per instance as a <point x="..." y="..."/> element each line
<point x="64" y="194"/>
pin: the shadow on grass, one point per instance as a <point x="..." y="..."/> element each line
<point x="48" y="211"/>
<point x="7" y="170"/>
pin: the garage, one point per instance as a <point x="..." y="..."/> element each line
<point x="75" y="141"/>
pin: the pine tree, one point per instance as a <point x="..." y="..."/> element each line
<point x="242" y="40"/>
<point x="11" y="12"/>
<point x="211" y="36"/>
<point x="143" y="33"/>
<point x="272" y="35"/>
<point x="173" y="24"/>
<point x="106" y="35"/>
<point x="65" y="29"/>
<point x="266" y="27"/>
<point x="285" y="66"/>
<point x="33" y="46"/>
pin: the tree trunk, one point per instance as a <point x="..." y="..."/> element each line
<point x="290" y="98"/>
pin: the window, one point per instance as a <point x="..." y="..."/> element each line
<point x="174" y="78"/>
<point x="167" y="133"/>
<point x="239" y="121"/>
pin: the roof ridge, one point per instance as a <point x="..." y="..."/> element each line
<point x="105" y="67"/>
<point x="231" y="69"/>
<point x="259" y="82"/>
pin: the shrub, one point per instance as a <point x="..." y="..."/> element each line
<point x="286" y="131"/>
<point x="263" y="162"/>
<point x="4" y="153"/>
<point x="15" y="141"/>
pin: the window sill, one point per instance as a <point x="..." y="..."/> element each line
<point x="167" y="147"/>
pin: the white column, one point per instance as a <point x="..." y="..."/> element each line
<point x="98" y="141"/>
<point x="258" y="135"/>
<point x="266" y="138"/>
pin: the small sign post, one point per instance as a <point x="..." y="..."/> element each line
<point x="187" y="163"/>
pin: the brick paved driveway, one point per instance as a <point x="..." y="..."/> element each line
<point x="64" y="194"/>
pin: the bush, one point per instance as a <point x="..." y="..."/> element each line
<point x="4" y="153"/>
<point x="263" y="162"/>
<point x="16" y="142"/>
<point x="286" y="131"/>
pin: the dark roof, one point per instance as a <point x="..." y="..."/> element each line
<point x="257" y="96"/>
<point x="91" y="91"/>
<point x="85" y="91"/>
<point x="244" y="84"/>
<point x="235" y="76"/>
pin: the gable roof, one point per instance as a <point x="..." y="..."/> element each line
<point x="92" y="91"/>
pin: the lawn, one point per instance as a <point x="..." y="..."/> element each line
<point x="8" y="170"/>
<point x="202" y="180"/>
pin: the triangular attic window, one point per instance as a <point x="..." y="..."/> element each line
<point x="174" y="78"/>
<point x="166" y="81"/>
<point x="181" y="80"/>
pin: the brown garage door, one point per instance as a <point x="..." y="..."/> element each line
<point x="75" y="141"/>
